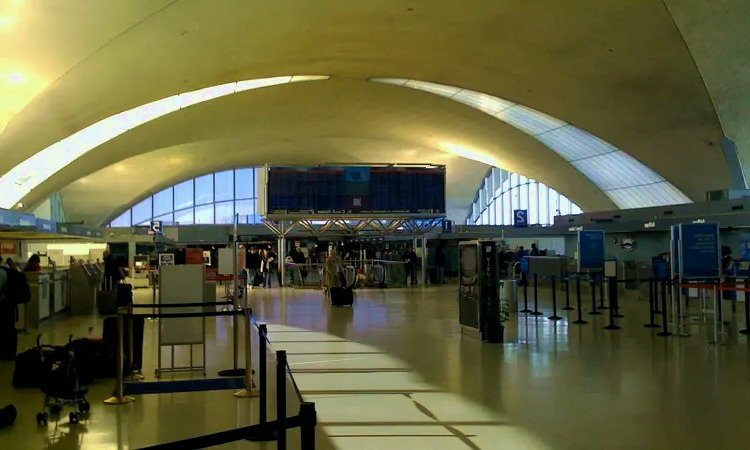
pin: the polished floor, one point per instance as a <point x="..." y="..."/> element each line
<point x="395" y="372"/>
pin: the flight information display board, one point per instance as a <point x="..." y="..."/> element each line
<point x="356" y="190"/>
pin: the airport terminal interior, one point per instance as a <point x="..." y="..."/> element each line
<point x="404" y="224"/>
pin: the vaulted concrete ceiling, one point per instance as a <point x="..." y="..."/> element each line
<point x="619" y="70"/>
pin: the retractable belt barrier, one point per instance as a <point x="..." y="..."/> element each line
<point x="265" y="430"/>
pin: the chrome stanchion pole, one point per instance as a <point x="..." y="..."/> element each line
<point x="250" y="389"/>
<point x="281" y="398"/>
<point x="117" y="397"/>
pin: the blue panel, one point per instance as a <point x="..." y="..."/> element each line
<point x="357" y="174"/>
<point x="591" y="249"/>
<point x="521" y="218"/>
<point x="700" y="250"/>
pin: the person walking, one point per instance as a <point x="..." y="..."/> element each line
<point x="253" y="262"/>
<point x="410" y="259"/>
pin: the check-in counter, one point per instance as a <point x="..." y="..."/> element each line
<point x="59" y="291"/>
<point x="38" y="307"/>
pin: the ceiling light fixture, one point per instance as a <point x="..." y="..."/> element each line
<point x="16" y="78"/>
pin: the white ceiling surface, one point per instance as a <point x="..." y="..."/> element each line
<point x="619" y="71"/>
<point x="103" y="195"/>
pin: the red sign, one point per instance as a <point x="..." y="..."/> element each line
<point x="193" y="256"/>
<point x="8" y="247"/>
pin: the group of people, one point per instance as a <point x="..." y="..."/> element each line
<point x="262" y="267"/>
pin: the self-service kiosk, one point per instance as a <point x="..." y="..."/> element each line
<point x="141" y="269"/>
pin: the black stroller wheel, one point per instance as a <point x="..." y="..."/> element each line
<point x="73" y="418"/>
<point x="84" y="407"/>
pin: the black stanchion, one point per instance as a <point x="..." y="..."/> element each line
<point x="567" y="294"/>
<point x="580" y="320"/>
<point x="746" y="331"/>
<point x="651" y="303"/>
<point x="593" y="311"/>
<point x="267" y="434"/>
<point x="281" y="397"/>
<point x="601" y="293"/>
<point x="525" y="282"/>
<point x="536" y="299"/>
<point x="665" y="331"/>
<point x="616" y="303"/>
<point x="308" y="418"/>
<point x="612" y="289"/>
<point x="663" y="296"/>
<point x="554" y="315"/>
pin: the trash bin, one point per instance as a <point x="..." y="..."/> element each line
<point x="509" y="294"/>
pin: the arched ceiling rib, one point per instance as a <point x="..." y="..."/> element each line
<point x="619" y="71"/>
<point x="625" y="180"/>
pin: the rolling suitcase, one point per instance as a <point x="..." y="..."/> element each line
<point x="106" y="299"/>
<point x="342" y="296"/>
<point x="110" y="336"/>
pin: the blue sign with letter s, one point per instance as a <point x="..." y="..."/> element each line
<point x="520" y="218"/>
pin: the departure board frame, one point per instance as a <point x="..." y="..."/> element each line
<point x="349" y="189"/>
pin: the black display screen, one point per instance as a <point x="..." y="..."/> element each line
<point x="356" y="190"/>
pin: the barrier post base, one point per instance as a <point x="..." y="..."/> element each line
<point x="664" y="333"/>
<point x="263" y="436"/>
<point x="595" y="313"/>
<point x="652" y="325"/>
<point x="568" y="308"/>
<point x="580" y="322"/>
<point x="248" y="393"/>
<point x="745" y="331"/>
<point x="115" y="400"/>
<point x="232" y="373"/>
<point x="526" y="310"/>
<point x="618" y="315"/>
<point x="536" y="313"/>
<point x="612" y="327"/>
<point x="554" y="318"/>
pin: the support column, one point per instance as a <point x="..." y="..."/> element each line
<point x="282" y="255"/>
<point x="424" y="261"/>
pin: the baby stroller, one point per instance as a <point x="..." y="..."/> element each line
<point x="61" y="387"/>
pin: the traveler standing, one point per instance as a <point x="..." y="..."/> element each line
<point x="534" y="250"/>
<point x="112" y="273"/>
<point x="253" y="262"/>
<point x="34" y="264"/>
<point x="440" y="269"/>
<point x="410" y="258"/>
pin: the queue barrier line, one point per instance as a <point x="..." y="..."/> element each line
<point x="306" y="419"/>
<point x="181" y="305"/>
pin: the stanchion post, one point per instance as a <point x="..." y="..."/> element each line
<point x="651" y="304"/>
<point x="567" y="293"/>
<point x="615" y="301"/>
<point x="266" y="434"/>
<point x="663" y="296"/>
<point x="580" y="320"/>
<point x="117" y="397"/>
<point x="665" y="331"/>
<point x="554" y="315"/>
<point x="525" y="283"/>
<point x="612" y="290"/>
<point x="250" y="390"/>
<point x="593" y="311"/>
<point x="308" y="422"/>
<point x="601" y="293"/>
<point x="130" y="375"/>
<point x="536" y="298"/>
<point x="281" y="398"/>
<point x="746" y="331"/>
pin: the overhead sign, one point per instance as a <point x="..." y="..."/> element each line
<point x="521" y="218"/>
<point x="447" y="226"/>
<point x="649" y="225"/>
<point x="166" y="259"/>
<point x="9" y="247"/>
<point x="590" y="249"/>
<point x="156" y="227"/>
<point x="699" y="250"/>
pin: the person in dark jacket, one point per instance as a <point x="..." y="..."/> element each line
<point x="410" y="258"/>
<point x="534" y="250"/>
<point x="440" y="266"/>
<point x="112" y="273"/>
<point x="253" y="262"/>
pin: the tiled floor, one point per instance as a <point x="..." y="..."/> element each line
<point x="394" y="372"/>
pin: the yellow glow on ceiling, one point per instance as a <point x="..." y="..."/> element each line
<point x="474" y="155"/>
<point x="17" y="88"/>
<point x="7" y="23"/>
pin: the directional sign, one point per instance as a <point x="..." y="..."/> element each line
<point x="699" y="250"/>
<point x="590" y="249"/>
<point x="521" y="218"/>
<point x="166" y="259"/>
<point x="156" y="227"/>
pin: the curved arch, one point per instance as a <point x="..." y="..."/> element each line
<point x="624" y="179"/>
<point x="32" y="172"/>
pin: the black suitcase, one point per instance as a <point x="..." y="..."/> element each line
<point x="110" y="335"/>
<point x="342" y="296"/>
<point x="124" y="295"/>
<point x="91" y="356"/>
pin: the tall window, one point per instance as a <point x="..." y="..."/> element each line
<point x="209" y="199"/>
<point x="513" y="192"/>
